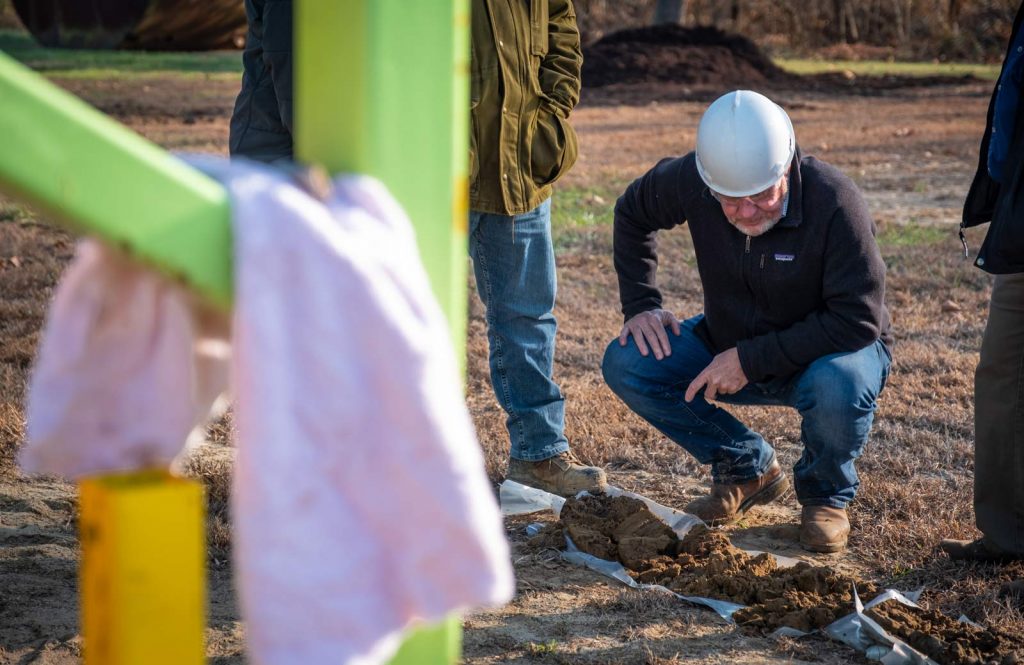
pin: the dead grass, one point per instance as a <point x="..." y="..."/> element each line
<point x="214" y="468"/>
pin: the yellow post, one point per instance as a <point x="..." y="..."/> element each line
<point x="142" y="576"/>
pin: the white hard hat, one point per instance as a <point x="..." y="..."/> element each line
<point x="745" y="144"/>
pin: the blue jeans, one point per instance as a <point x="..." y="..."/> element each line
<point x="514" y="263"/>
<point x="835" y="395"/>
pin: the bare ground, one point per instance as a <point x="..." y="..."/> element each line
<point x="912" y="150"/>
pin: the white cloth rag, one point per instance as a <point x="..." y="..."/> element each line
<point x="360" y="501"/>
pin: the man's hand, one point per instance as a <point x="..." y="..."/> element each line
<point x="648" y="329"/>
<point x="724" y="376"/>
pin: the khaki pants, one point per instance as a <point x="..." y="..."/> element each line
<point x="999" y="420"/>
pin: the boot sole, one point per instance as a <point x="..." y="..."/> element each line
<point x="551" y="488"/>
<point x="825" y="548"/>
<point x="773" y="492"/>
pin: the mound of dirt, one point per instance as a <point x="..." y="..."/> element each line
<point x="672" y="53"/>
<point x="806" y="597"/>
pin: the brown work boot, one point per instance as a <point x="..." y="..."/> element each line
<point x="976" y="550"/>
<point x="824" y="528"/>
<point x="727" y="502"/>
<point x="562" y="474"/>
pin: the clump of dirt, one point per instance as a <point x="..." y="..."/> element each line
<point x="616" y="528"/>
<point x="947" y="641"/>
<point x="699" y="55"/>
<point x="704" y="563"/>
<point x="802" y="596"/>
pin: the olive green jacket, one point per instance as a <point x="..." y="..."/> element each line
<point x="525" y="80"/>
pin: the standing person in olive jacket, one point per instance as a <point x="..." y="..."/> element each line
<point x="997" y="195"/>
<point x="794" y="314"/>
<point x="525" y="80"/>
<point x="261" y="125"/>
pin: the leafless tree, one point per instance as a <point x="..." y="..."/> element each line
<point x="846" y="21"/>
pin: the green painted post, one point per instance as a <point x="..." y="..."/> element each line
<point x="89" y="172"/>
<point x="382" y="88"/>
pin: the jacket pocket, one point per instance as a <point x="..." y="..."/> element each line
<point x="539" y="27"/>
<point x="474" y="160"/>
<point x="553" y="148"/>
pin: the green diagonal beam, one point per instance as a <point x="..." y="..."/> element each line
<point x="91" y="173"/>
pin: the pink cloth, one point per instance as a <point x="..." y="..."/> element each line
<point x="124" y="371"/>
<point x="360" y="500"/>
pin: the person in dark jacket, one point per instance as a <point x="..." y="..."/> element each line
<point x="997" y="195"/>
<point x="525" y="80"/>
<point x="261" y="125"/>
<point x="793" y="315"/>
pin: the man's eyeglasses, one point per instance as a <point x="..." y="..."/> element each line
<point x="763" y="199"/>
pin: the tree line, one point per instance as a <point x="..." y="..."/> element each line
<point x="971" y="30"/>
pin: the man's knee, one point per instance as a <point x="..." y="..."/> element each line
<point x="839" y="387"/>
<point x="618" y="366"/>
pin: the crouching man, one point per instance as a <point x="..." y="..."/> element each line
<point x="793" y="315"/>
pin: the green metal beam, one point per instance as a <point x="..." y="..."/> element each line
<point x="76" y="164"/>
<point x="381" y="87"/>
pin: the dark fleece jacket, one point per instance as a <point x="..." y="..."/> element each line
<point x="811" y="286"/>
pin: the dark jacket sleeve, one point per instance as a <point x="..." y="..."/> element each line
<point x="984" y="191"/>
<point x="561" y="65"/>
<point x="651" y="203"/>
<point x="853" y="291"/>
<point x="981" y="198"/>
<point x="277" y="54"/>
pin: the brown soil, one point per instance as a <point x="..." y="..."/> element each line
<point x="705" y="564"/>
<point x="947" y="641"/>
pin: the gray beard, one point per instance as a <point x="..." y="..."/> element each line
<point x="761" y="229"/>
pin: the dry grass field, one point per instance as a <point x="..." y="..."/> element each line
<point x="911" y="148"/>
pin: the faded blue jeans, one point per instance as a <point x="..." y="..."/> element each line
<point x="514" y="263"/>
<point x="835" y="395"/>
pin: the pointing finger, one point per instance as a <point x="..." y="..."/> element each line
<point x="695" y="385"/>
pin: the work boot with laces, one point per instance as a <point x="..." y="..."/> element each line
<point x="824" y="528"/>
<point x="728" y="501"/>
<point x="562" y="474"/>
